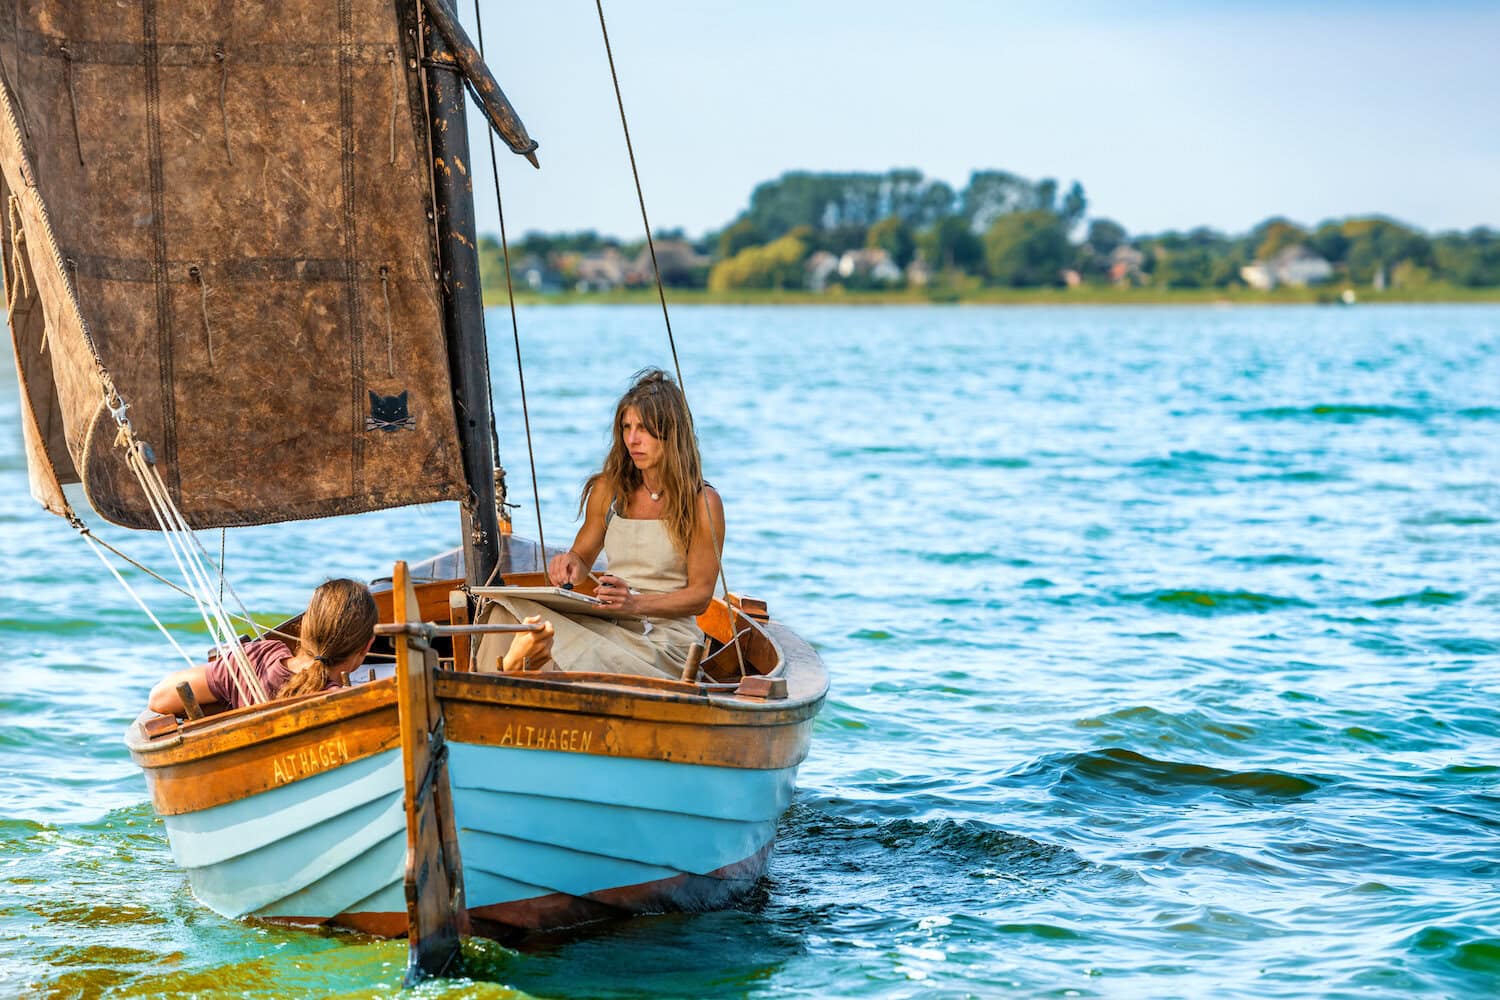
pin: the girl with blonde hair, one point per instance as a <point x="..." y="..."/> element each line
<point x="337" y="630"/>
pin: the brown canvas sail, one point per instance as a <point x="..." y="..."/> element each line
<point x="223" y="212"/>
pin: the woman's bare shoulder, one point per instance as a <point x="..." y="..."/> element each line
<point x="714" y="505"/>
<point x="598" y="499"/>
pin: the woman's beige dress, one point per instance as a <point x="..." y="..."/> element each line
<point x="640" y="552"/>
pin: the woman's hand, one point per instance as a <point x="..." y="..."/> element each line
<point x="616" y="595"/>
<point x="529" y="650"/>
<point x="566" y="569"/>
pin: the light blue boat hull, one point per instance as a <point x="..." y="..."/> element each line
<point x="546" y="838"/>
<point x="543" y="834"/>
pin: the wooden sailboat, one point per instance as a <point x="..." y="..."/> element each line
<point x="575" y="795"/>
<point x="242" y="287"/>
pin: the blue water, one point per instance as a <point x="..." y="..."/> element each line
<point x="1163" y="642"/>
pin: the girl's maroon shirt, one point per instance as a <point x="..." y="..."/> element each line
<point x="268" y="658"/>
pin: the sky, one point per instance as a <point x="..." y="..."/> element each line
<point x="1172" y="114"/>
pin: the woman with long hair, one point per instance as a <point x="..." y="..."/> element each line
<point x="661" y="529"/>
<point x="336" y="631"/>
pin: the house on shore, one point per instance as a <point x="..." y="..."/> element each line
<point x="535" y="274"/>
<point x="872" y="264"/>
<point x="1127" y="266"/>
<point x="861" y="268"/>
<point x="819" y="267"/>
<point x="918" y="273"/>
<point x="1296" y="266"/>
<point x="600" y="270"/>
<point x="680" y="265"/>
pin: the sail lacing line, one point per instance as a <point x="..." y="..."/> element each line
<point x="17" y="288"/>
<point x="390" y="57"/>
<point x="67" y="55"/>
<point x="221" y="56"/>
<point x="72" y="268"/>
<point x="196" y="274"/>
<point x="390" y="332"/>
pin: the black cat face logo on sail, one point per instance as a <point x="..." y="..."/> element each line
<point x="388" y="413"/>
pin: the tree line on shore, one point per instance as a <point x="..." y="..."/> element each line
<point x="822" y="231"/>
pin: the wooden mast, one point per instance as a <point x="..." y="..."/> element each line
<point x="433" y="882"/>
<point x="463" y="305"/>
<point x="436" y="914"/>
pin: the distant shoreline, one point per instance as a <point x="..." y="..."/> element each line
<point x="1084" y="296"/>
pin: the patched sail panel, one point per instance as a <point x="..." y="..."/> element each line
<point x="224" y="211"/>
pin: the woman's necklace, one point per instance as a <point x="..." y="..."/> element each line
<point x="654" y="494"/>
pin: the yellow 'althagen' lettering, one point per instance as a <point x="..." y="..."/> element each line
<point x="304" y="763"/>
<point x="546" y="738"/>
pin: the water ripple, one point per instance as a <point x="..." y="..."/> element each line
<point x="1162" y="645"/>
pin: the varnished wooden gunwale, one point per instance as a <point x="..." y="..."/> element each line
<point x="235" y="730"/>
<point x="234" y="755"/>
<point x="203" y="773"/>
<point x="209" y="768"/>
<point x="754" y="745"/>
<point x="542" y="691"/>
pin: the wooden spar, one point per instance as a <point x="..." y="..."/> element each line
<point x="435" y="911"/>
<point x="463" y="306"/>
<point x="492" y="100"/>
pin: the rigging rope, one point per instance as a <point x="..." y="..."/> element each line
<point x="640" y="196"/>
<point x="174" y="528"/>
<point x="515" y="329"/>
<point x="661" y="292"/>
<point x="96" y="544"/>
<point x="94" y="547"/>
<point x="257" y="629"/>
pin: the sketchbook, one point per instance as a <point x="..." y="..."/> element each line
<point x="556" y="598"/>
